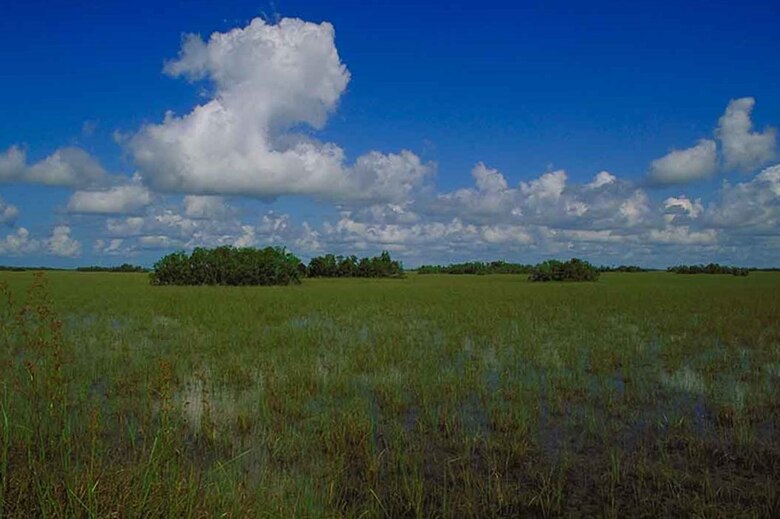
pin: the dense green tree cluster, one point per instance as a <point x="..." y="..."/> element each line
<point x="228" y="266"/>
<point x="573" y="270"/>
<point x="712" y="268"/>
<point x="124" y="267"/>
<point x="477" y="267"/>
<point x="330" y="266"/>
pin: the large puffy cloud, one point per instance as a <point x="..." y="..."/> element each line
<point x="682" y="208"/>
<point x="547" y="187"/>
<point x="18" y="243"/>
<point x="122" y="199"/>
<point x="383" y="177"/>
<point x="69" y="166"/>
<point x="606" y="202"/>
<point x="490" y="199"/>
<point x="285" y="73"/>
<point x="60" y="243"/>
<point x="635" y="208"/>
<point x="743" y="148"/>
<point x="603" y="178"/>
<point x="8" y="213"/>
<point x="267" y="80"/>
<point x="682" y="166"/>
<point x="488" y="180"/>
<point x="547" y="199"/>
<point x="752" y="206"/>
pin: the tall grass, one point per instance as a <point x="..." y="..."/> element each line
<point x="644" y="394"/>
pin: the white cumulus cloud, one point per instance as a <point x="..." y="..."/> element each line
<point x="247" y="238"/>
<point x="111" y="247"/>
<point x="546" y="188"/>
<point x="683" y="235"/>
<point x="69" y="166"/>
<point x="123" y="199"/>
<point x="682" y="207"/>
<point x="130" y="226"/>
<point x="752" y="205"/>
<point x="8" y="213"/>
<point x="18" y="243"/>
<point x="60" y="243"/>
<point x="267" y="81"/>
<point x="13" y="164"/>
<point x="743" y="148"/>
<point x="205" y="206"/>
<point x="603" y="178"/>
<point x="681" y="166"/>
<point x="488" y="179"/>
<point x="635" y="208"/>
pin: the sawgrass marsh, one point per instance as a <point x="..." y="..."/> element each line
<point x="642" y="394"/>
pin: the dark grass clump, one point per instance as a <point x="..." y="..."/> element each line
<point x="573" y="270"/>
<point x="228" y="266"/>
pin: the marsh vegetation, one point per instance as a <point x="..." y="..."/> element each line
<point x="645" y="394"/>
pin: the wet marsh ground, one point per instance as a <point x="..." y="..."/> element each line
<point x="647" y="394"/>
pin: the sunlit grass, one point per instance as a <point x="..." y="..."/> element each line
<point x="647" y="394"/>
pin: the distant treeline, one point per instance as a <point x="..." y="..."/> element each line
<point x="276" y="266"/>
<point x="477" y="267"/>
<point x="551" y="270"/>
<point x="269" y="266"/>
<point x="503" y="267"/>
<point x="623" y="268"/>
<point x="10" y="268"/>
<point x="712" y="268"/>
<point x="124" y="267"/>
<point x="573" y="270"/>
<point x="330" y="266"/>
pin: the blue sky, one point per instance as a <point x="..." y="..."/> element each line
<point x="442" y="132"/>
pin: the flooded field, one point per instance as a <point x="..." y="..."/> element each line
<point x="648" y="394"/>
